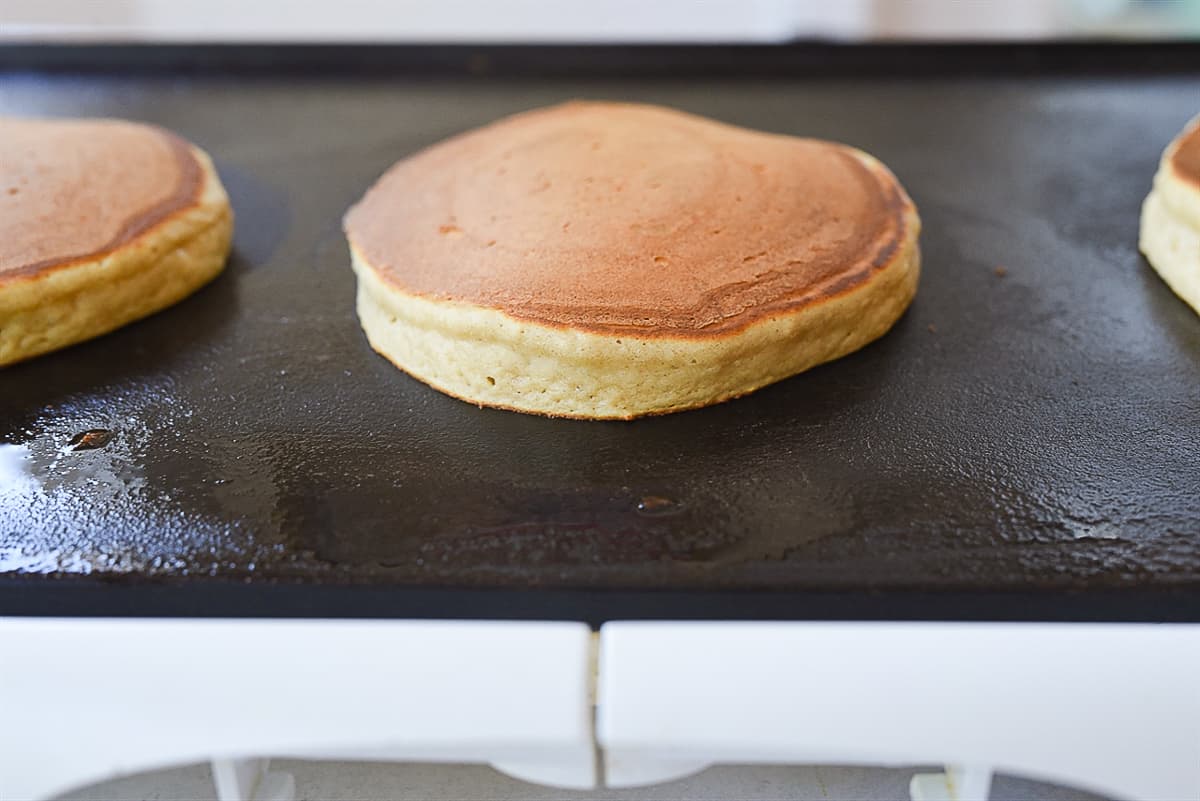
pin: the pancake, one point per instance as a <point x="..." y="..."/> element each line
<point x="102" y="222"/>
<point x="1170" y="232"/>
<point x="602" y="260"/>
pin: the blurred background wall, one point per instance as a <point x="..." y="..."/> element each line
<point x="593" y="20"/>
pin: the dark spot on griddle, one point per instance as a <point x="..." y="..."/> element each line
<point x="91" y="439"/>
<point x="657" y="506"/>
<point x="479" y="63"/>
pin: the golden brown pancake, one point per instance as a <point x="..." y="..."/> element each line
<point x="1170" y="230"/>
<point x="1186" y="156"/>
<point x="101" y="222"/>
<point x="614" y="260"/>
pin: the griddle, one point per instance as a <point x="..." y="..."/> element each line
<point x="1024" y="445"/>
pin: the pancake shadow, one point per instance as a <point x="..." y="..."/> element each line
<point x="135" y="354"/>
<point x="262" y="215"/>
<point x="651" y="453"/>
<point x="1177" y="321"/>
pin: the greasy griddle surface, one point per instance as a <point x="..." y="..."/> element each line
<point x="1022" y="431"/>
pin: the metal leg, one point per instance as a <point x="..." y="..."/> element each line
<point x="958" y="783"/>
<point x="249" y="780"/>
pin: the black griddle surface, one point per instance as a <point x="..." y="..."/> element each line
<point x="1023" y="445"/>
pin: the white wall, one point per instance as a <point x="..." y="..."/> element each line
<point x="434" y="20"/>
<point x="586" y="20"/>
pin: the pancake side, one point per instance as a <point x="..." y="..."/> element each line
<point x="1170" y="223"/>
<point x="491" y="358"/>
<point x="90" y="259"/>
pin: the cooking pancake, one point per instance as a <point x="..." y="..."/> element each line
<point x="1170" y="233"/>
<point x="603" y="260"/>
<point x="102" y="222"/>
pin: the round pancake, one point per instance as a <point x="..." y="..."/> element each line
<point x="603" y="260"/>
<point x="1170" y="231"/>
<point x="102" y="222"/>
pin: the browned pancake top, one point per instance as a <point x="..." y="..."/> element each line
<point x="1186" y="158"/>
<point x="77" y="189"/>
<point x="620" y="217"/>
